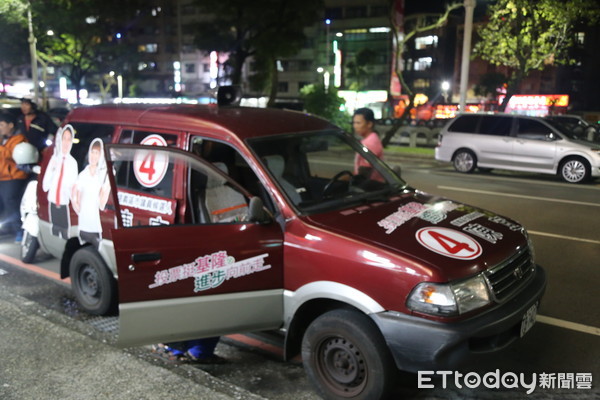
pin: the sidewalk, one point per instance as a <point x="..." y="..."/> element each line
<point x="44" y="360"/>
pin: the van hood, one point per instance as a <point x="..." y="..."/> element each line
<point x="450" y="239"/>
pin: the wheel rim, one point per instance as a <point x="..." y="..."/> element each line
<point x="89" y="284"/>
<point x="463" y="162"/>
<point x="573" y="171"/>
<point x="341" y="366"/>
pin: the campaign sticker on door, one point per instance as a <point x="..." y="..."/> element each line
<point x="449" y="243"/>
<point x="150" y="167"/>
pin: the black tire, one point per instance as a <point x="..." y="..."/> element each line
<point x="29" y="247"/>
<point x="574" y="170"/>
<point x="464" y="161"/>
<point x="92" y="283"/>
<point x="345" y="357"/>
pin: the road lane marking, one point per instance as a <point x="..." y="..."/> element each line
<point x="552" y="235"/>
<point x="520" y="196"/>
<point x="592" y="330"/>
<point x="519" y="179"/>
<point x="34" y="268"/>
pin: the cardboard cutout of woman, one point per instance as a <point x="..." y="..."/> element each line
<point x="58" y="181"/>
<point x="90" y="194"/>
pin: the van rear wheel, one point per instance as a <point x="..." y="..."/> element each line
<point x="345" y="357"/>
<point x="93" y="285"/>
<point x="464" y="161"/>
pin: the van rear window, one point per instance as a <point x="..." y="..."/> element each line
<point x="465" y="124"/>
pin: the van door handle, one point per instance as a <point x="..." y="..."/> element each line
<point x="141" y="257"/>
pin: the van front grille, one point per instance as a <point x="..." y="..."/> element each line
<point x="508" y="277"/>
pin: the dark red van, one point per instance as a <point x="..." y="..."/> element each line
<point x="212" y="220"/>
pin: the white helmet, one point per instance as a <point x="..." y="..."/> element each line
<point x="25" y="153"/>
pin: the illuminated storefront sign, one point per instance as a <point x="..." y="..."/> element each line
<point x="534" y="104"/>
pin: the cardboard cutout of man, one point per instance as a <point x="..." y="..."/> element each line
<point x="59" y="179"/>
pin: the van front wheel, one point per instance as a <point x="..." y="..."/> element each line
<point x="92" y="283"/>
<point x="345" y="357"/>
<point x="465" y="161"/>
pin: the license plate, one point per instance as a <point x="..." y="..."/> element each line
<point x="528" y="319"/>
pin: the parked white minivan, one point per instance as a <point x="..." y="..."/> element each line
<point x="516" y="142"/>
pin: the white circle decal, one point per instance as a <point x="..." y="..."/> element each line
<point x="449" y="243"/>
<point x="150" y="167"/>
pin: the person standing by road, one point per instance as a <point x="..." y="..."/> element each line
<point x="12" y="179"/>
<point x="35" y="124"/>
<point x="363" y="122"/>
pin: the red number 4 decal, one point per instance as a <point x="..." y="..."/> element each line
<point x="452" y="246"/>
<point x="147" y="166"/>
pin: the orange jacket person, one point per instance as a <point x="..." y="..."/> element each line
<point x="12" y="179"/>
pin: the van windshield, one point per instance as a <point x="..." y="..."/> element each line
<point x="319" y="171"/>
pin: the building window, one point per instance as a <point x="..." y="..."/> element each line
<point x="426" y="42"/>
<point x="379" y="11"/>
<point x="421" y="83"/>
<point x="190" y="68"/>
<point x="283" y="87"/>
<point x="147" y="66"/>
<point x="356" y="12"/>
<point x="148" y="48"/>
<point x="205" y="67"/>
<point x="333" y="13"/>
<point x="580" y="38"/>
<point x="423" y="63"/>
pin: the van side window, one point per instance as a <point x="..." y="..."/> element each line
<point x="130" y="136"/>
<point x="84" y="134"/>
<point x="495" y="126"/>
<point x="465" y="124"/>
<point x="531" y="129"/>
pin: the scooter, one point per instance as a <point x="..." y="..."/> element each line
<point x="30" y="220"/>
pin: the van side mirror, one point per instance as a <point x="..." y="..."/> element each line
<point x="551" y="137"/>
<point x="256" y="211"/>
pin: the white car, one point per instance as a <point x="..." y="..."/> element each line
<point x="520" y="143"/>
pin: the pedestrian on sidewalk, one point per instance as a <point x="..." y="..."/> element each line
<point x="12" y="179"/>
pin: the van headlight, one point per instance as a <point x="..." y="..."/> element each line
<point x="447" y="299"/>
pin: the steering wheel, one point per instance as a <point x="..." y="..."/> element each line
<point x="336" y="178"/>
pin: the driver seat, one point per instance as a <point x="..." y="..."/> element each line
<point x="276" y="165"/>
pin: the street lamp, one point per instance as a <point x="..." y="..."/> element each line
<point x="445" y="88"/>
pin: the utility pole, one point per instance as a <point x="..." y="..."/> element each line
<point x="466" y="53"/>
<point x="32" y="50"/>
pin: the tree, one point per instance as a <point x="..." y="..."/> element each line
<point x="412" y="27"/>
<point x="264" y="29"/>
<point x="359" y="68"/>
<point x="84" y="34"/>
<point x="326" y="104"/>
<point x="489" y="84"/>
<point x="526" y="35"/>
<point x="14" y="48"/>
